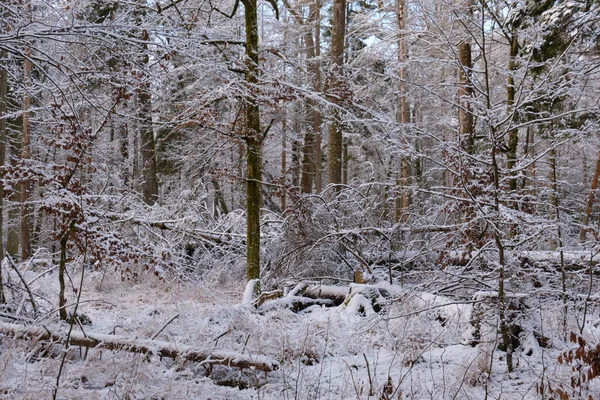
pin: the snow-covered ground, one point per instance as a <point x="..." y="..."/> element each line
<point x="417" y="347"/>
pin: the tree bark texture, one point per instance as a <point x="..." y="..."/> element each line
<point x="465" y="94"/>
<point x="3" y="111"/>
<point x="402" y="201"/>
<point x="255" y="141"/>
<point x="148" y="145"/>
<point x="513" y="134"/>
<point x="334" y="147"/>
<point x="26" y="155"/>
<point x="317" y="87"/>
<point x="309" y="156"/>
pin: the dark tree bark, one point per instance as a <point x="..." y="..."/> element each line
<point x="26" y="155"/>
<point x="254" y="141"/>
<point x="148" y="144"/>
<point x="317" y="88"/>
<point x="465" y="94"/>
<point x="334" y="93"/>
<point x="3" y="110"/>
<point x="513" y="134"/>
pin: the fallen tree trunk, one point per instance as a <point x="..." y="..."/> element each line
<point x="143" y="346"/>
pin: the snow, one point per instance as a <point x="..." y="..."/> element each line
<point x="417" y="340"/>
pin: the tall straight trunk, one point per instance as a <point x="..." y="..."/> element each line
<point x="26" y="155"/>
<point x="402" y="201"/>
<point x="147" y="145"/>
<point x="3" y="111"/>
<point x="62" y="270"/>
<point x="345" y="163"/>
<point x="14" y="211"/>
<point x="465" y="94"/>
<point x="284" y="156"/>
<point x="309" y="160"/>
<point x="513" y="134"/>
<point x="590" y="202"/>
<point x="334" y="147"/>
<point x="295" y="167"/>
<point x="317" y="88"/>
<point x="284" y="126"/>
<point x="255" y="141"/>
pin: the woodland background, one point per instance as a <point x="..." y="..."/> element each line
<point x="441" y="147"/>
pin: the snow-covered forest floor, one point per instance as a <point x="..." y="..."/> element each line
<point x="418" y="346"/>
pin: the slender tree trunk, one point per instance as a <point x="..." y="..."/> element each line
<point x="590" y="202"/>
<point x="317" y="87"/>
<point x="513" y="134"/>
<point x="334" y="93"/>
<point x="345" y="163"/>
<point x="62" y="265"/>
<point x="284" y="156"/>
<point x="254" y="140"/>
<point x="3" y="111"/>
<point x="26" y="155"/>
<point x="14" y="211"/>
<point x="295" y="167"/>
<point x="147" y="145"/>
<point x="284" y="126"/>
<point x="308" y="160"/>
<point x="402" y="201"/>
<point x="465" y="94"/>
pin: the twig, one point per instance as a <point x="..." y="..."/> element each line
<point x="12" y="264"/>
<point x="164" y="326"/>
<point x="371" y="391"/>
<point x="16" y="317"/>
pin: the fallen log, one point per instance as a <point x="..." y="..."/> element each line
<point x="142" y="346"/>
<point x="337" y="294"/>
<point x="295" y="303"/>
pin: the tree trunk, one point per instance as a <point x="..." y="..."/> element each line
<point x="62" y="271"/>
<point x="254" y="140"/>
<point x="402" y="201"/>
<point x="26" y="155"/>
<point x="309" y="156"/>
<point x="334" y="93"/>
<point x="284" y="157"/>
<point x="3" y="111"/>
<point x="13" y="235"/>
<point x="317" y="88"/>
<point x="590" y="202"/>
<point x="148" y="145"/>
<point x="345" y="163"/>
<point x="513" y="134"/>
<point x="465" y="94"/>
